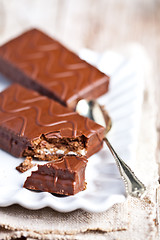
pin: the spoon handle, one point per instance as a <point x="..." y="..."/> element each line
<point x="134" y="186"/>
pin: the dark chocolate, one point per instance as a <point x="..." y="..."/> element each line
<point x="36" y="126"/>
<point x="65" y="176"/>
<point x="41" y="63"/>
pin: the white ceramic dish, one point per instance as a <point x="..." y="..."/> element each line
<point x="104" y="184"/>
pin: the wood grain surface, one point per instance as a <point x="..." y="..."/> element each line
<point x="95" y="24"/>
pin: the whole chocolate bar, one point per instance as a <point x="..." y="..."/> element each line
<point x="64" y="176"/>
<point x="41" y="63"/>
<point x="34" y="125"/>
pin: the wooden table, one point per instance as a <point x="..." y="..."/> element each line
<point x="98" y="25"/>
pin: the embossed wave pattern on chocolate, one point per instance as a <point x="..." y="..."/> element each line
<point x="29" y="114"/>
<point x="52" y="65"/>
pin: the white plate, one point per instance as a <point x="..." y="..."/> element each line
<point x="104" y="185"/>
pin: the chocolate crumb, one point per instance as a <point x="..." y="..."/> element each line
<point x="85" y="186"/>
<point x="25" y="165"/>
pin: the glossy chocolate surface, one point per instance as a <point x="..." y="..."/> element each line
<point x="64" y="176"/>
<point x="45" y="65"/>
<point x="25" y="115"/>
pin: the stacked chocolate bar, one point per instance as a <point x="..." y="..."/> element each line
<point x="32" y="122"/>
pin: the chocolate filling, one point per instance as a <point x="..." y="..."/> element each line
<point x="44" y="148"/>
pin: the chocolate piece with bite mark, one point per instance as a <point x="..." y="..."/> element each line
<point x="41" y="63"/>
<point x="36" y="126"/>
<point x="64" y="176"/>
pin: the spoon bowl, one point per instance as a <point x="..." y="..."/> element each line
<point x="94" y="111"/>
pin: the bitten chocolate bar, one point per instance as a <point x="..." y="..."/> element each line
<point x="41" y="63"/>
<point x="34" y="125"/>
<point x="64" y="176"/>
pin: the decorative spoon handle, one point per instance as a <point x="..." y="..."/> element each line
<point x="134" y="186"/>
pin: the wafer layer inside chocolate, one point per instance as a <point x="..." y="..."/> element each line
<point x="45" y="147"/>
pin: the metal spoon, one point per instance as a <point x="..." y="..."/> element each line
<point x="94" y="111"/>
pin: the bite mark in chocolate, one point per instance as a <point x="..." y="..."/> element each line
<point x="45" y="148"/>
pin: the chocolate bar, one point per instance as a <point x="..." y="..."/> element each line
<point x="41" y="63"/>
<point x="36" y="126"/>
<point x="65" y="176"/>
